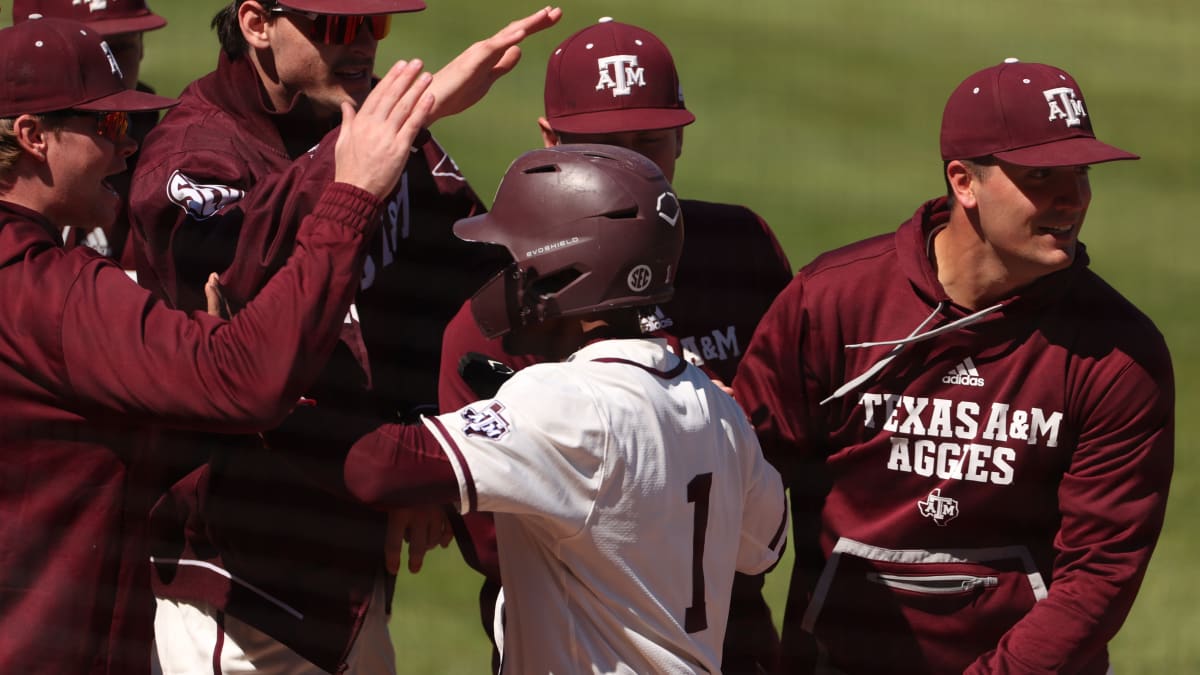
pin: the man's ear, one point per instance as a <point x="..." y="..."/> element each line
<point x="549" y="135"/>
<point x="253" y="20"/>
<point x="678" y="142"/>
<point x="31" y="134"/>
<point x="962" y="181"/>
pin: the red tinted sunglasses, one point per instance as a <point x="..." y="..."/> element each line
<point x="112" y="125"/>
<point x="338" y="29"/>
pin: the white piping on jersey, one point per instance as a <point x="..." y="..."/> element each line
<point x="898" y="345"/>
<point x="183" y="562"/>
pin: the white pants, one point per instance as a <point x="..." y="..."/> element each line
<point x="190" y="642"/>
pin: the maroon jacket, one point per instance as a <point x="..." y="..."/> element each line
<point x="268" y="533"/>
<point x="989" y="499"/>
<point x="74" y="587"/>
<point x="731" y="269"/>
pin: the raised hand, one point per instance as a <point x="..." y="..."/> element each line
<point x="376" y="140"/>
<point x="465" y="80"/>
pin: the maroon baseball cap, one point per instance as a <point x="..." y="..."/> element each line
<point x="58" y="64"/>
<point x="348" y="7"/>
<point x="109" y="17"/>
<point x="1027" y="114"/>
<point x="612" y="77"/>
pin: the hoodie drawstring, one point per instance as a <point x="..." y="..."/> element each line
<point x="898" y="345"/>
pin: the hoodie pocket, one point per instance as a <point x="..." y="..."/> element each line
<point x="906" y="611"/>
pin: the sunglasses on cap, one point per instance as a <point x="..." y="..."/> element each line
<point x="337" y="29"/>
<point x="112" y="125"/>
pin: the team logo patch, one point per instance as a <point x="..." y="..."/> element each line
<point x="964" y="373"/>
<point x="1065" y="105"/>
<point x="668" y="208"/>
<point x="198" y="200"/>
<point x="639" y="278"/>
<point x="487" y="421"/>
<point x="939" y="509"/>
<point x="621" y="74"/>
<point x="92" y="5"/>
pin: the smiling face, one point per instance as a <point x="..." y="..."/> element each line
<point x="79" y="160"/>
<point x="1009" y="226"/>
<point x="1031" y="216"/>
<point x="294" y="63"/>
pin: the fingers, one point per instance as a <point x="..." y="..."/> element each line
<point x="418" y="544"/>
<point x="212" y="296"/>
<point x="522" y="28"/>
<point x="391" y="88"/>
<point x="393" y="545"/>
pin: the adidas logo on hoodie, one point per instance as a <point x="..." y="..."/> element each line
<point x="964" y="373"/>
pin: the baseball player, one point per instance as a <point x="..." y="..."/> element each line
<point x="77" y="486"/>
<point x="261" y="543"/>
<point x="617" y="84"/>
<point x="627" y="487"/>
<point x="122" y="25"/>
<point x="976" y="429"/>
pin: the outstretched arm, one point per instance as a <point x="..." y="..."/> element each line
<point x="465" y="80"/>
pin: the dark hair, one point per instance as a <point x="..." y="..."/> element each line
<point x="974" y="165"/>
<point x="229" y="32"/>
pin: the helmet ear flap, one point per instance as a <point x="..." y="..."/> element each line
<point x="496" y="305"/>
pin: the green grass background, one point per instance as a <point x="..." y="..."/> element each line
<point x="823" y="116"/>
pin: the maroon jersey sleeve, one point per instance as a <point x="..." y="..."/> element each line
<point x="198" y="205"/>
<point x="400" y="465"/>
<point x="202" y="372"/>
<point x="1113" y="499"/>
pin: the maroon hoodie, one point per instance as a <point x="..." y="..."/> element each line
<point x="267" y="533"/>
<point x="971" y="492"/>
<point x="74" y="587"/>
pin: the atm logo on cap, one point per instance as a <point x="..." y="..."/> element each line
<point x="620" y="73"/>
<point x="92" y="5"/>
<point x="1065" y="105"/>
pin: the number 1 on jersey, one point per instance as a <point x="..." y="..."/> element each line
<point x="695" y="619"/>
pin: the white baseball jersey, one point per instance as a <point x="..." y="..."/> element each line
<point x="627" y="489"/>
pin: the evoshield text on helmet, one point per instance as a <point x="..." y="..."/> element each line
<point x="590" y="228"/>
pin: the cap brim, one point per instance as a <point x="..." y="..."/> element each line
<point x="128" y="100"/>
<point x="625" y="119"/>
<point x="128" y="24"/>
<point x="1067" y="152"/>
<point x="346" y="7"/>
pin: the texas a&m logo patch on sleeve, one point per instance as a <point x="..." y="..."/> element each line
<point x="485" y="419"/>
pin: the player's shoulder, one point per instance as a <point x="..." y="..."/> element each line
<point x="866" y="254"/>
<point x="1103" y="317"/>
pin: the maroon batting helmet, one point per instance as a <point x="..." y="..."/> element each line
<point x="590" y="228"/>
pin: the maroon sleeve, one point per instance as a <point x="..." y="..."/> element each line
<point x="400" y="465"/>
<point x="198" y="206"/>
<point x="778" y="395"/>
<point x="1113" y="500"/>
<point x="201" y="372"/>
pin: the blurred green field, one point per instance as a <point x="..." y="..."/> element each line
<point x="823" y="116"/>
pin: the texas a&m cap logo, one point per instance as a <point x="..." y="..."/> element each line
<point x="1028" y="114"/>
<point x="612" y="77"/>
